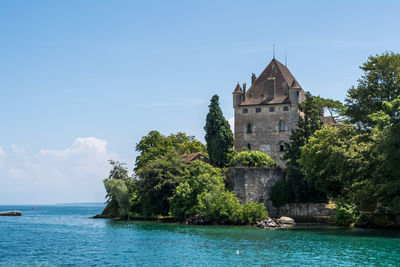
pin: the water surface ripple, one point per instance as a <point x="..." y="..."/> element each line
<point x="65" y="235"/>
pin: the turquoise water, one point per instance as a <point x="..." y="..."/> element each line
<point x="64" y="235"/>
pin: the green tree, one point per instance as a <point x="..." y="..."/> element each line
<point x="337" y="158"/>
<point x="387" y="145"/>
<point x="199" y="177"/>
<point x="157" y="181"/>
<point x="219" y="136"/>
<point x="380" y="82"/>
<point x="298" y="189"/>
<point x="117" y="191"/>
<point x="154" y="145"/>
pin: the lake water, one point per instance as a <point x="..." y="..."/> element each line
<point x="65" y="235"/>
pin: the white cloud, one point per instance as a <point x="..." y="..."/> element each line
<point x="73" y="174"/>
<point x="232" y="123"/>
<point x="2" y="153"/>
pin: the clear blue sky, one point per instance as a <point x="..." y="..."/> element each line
<point x="82" y="81"/>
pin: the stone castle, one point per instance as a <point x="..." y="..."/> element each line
<point x="267" y="112"/>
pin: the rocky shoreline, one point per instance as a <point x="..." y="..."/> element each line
<point x="270" y="223"/>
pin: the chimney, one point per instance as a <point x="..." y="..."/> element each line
<point x="253" y="78"/>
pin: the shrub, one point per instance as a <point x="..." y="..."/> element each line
<point x="253" y="159"/>
<point x="279" y="194"/>
<point x="345" y="214"/>
<point x="253" y="212"/>
<point x="225" y="207"/>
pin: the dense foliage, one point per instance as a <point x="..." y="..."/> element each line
<point x="345" y="213"/>
<point x="219" y="136"/>
<point x="279" y="193"/>
<point x="358" y="163"/>
<point x="379" y="83"/>
<point x="157" y="182"/>
<point x="202" y="191"/>
<point x="252" y="159"/>
<point x="154" y="145"/>
<point x="296" y="188"/>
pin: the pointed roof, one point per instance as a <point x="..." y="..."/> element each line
<point x="295" y="84"/>
<point x="238" y="89"/>
<point x="283" y="81"/>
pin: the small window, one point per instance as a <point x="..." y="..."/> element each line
<point x="258" y="110"/>
<point x="285" y="108"/>
<point x="245" y="110"/>
<point x="272" y="109"/>
<point x="298" y="92"/>
<point x="249" y="128"/>
<point x="281" y="146"/>
<point x="262" y="94"/>
<point x="282" y="126"/>
<point x="251" y="94"/>
<point x="249" y="146"/>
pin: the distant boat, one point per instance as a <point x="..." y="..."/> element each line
<point x="33" y="208"/>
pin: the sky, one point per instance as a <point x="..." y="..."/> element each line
<point x="82" y="81"/>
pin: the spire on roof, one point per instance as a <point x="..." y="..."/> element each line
<point x="238" y="89"/>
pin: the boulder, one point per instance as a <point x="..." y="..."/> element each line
<point x="11" y="213"/>
<point x="285" y="220"/>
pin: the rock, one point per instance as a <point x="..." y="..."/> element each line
<point x="282" y="222"/>
<point x="11" y="213"/>
<point x="286" y="220"/>
<point x="198" y="219"/>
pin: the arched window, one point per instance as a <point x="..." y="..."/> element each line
<point x="281" y="146"/>
<point x="281" y="126"/>
<point x="249" y="128"/>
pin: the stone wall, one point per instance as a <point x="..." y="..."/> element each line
<point x="304" y="209"/>
<point x="253" y="184"/>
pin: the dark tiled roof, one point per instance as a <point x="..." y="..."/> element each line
<point x="283" y="81"/>
<point x="188" y="158"/>
<point x="327" y="120"/>
<point x="238" y="89"/>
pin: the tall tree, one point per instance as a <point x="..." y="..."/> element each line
<point x="300" y="190"/>
<point x="117" y="190"/>
<point x="219" y="136"/>
<point x="380" y="82"/>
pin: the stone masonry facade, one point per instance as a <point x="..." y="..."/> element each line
<point x="266" y="113"/>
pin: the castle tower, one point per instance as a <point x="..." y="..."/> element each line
<point x="266" y="114"/>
